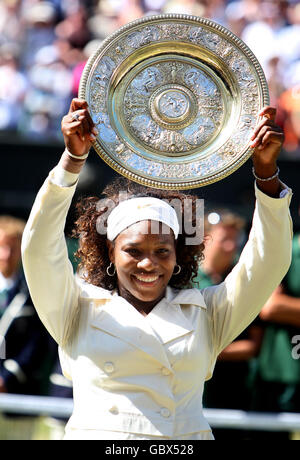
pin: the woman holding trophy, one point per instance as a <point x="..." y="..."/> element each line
<point x="138" y="344"/>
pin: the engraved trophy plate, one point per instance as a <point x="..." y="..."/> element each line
<point x="175" y="99"/>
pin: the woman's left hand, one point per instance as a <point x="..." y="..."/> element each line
<point x="267" y="141"/>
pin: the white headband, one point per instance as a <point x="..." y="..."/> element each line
<point x="136" y="209"/>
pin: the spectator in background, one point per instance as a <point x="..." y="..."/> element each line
<point x="274" y="72"/>
<point x="152" y="6"/>
<point x="228" y="388"/>
<point x="49" y="89"/>
<point x="289" y="111"/>
<point x="130" y="11"/>
<point x="40" y="19"/>
<point x="55" y="33"/>
<point x="104" y="21"/>
<point x="74" y="28"/>
<point x="26" y="352"/>
<point x="215" y="9"/>
<point x="13" y="86"/>
<point x="236" y="19"/>
<point x="251" y="9"/>
<point x="88" y="50"/>
<point x="262" y="34"/>
<point x="12" y="26"/>
<point x="224" y="231"/>
<point x="185" y="7"/>
<point x="289" y="36"/>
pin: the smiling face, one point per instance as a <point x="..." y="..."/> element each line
<point x="144" y="261"/>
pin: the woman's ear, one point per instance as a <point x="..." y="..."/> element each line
<point x="111" y="250"/>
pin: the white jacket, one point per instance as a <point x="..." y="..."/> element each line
<point x="136" y="374"/>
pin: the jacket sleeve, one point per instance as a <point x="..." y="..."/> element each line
<point x="48" y="271"/>
<point x="266" y="257"/>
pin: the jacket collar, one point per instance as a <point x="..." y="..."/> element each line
<point x="167" y="317"/>
<point x="173" y="296"/>
<point x="165" y="323"/>
<point x="185" y="297"/>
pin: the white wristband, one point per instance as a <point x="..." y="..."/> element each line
<point x="77" y="157"/>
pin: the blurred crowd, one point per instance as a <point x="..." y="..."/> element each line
<point x="45" y="44"/>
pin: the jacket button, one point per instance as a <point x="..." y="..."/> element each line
<point x="165" y="371"/>
<point x="109" y="367"/>
<point x="114" y="410"/>
<point x="165" y="412"/>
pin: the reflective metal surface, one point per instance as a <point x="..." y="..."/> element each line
<point x="175" y="99"/>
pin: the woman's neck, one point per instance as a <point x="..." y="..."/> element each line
<point x="142" y="307"/>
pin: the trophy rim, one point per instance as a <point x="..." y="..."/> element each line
<point x="218" y="28"/>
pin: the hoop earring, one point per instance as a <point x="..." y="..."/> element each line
<point x="178" y="270"/>
<point x="109" y="267"/>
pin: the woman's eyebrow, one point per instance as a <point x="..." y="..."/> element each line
<point x="160" y="242"/>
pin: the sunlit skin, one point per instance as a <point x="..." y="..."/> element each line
<point x="10" y="254"/>
<point x="144" y="262"/>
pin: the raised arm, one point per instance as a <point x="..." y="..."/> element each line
<point x="267" y="140"/>
<point x="48" y="271"/>
<point x="267" y="255"/>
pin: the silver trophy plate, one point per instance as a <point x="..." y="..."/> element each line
<point x="175" y="99"/>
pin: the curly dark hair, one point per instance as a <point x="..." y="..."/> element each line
<point x="93" y="251"/>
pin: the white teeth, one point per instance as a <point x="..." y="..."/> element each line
<point x="147" y="279"/>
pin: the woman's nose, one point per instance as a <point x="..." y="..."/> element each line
<point x="147" y="263"/>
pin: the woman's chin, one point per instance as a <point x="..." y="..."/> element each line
<point x="147" y="291"/>
<point x="146" y="297"/>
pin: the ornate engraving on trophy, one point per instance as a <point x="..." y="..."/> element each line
<point x="201" y="83"/>
<point x="106" y="133"/>
<point x="173" y="104"/>
<point x="200" y="131"/>
<point x="175" y="69"/>
<point x="197" y="34"/>
<point x="98" y="102"/>
<point x="246" y="123"/>
<point x="154" y="108"/>
<point x="143" y="37"/>
<point x="147" y="81"/>
<point x="182" y="111"/>
<point x="175" y="31"/>
<point x="104" y="71"/>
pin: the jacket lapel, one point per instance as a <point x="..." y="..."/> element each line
<point x="168" y="319"/>
<point x="120" y="319"/>
<point x="166" y="322"/>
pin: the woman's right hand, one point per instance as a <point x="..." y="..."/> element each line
<point x="78" y="128"/>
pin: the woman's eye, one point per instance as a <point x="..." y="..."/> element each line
<point x="132" y="251"/>
<point x="163" y="251"/>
